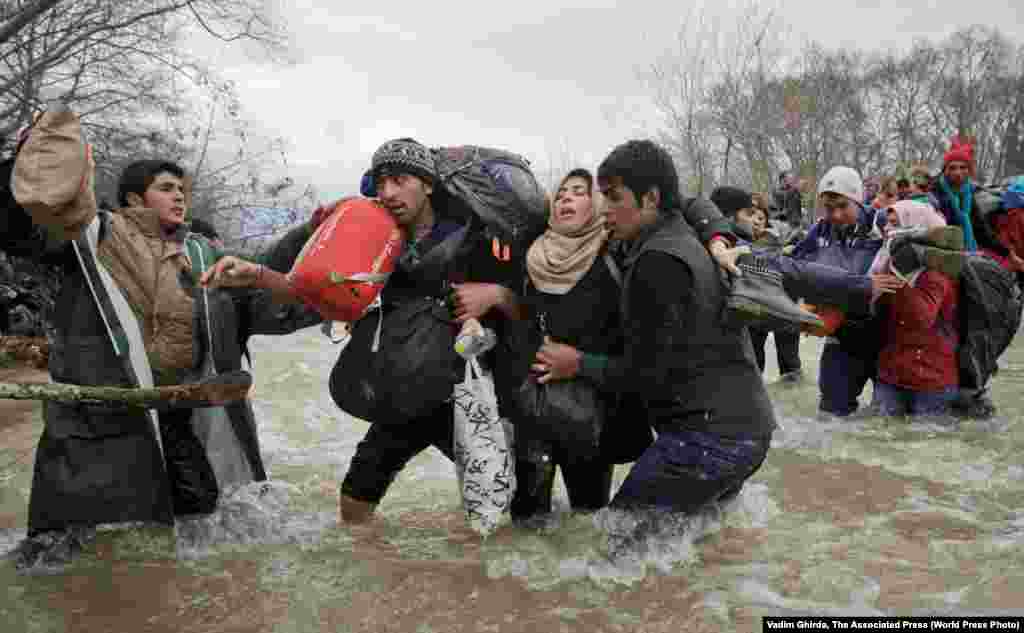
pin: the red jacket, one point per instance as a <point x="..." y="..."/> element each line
<point x="921" y="336"/>
<point x="1010" y="230"/>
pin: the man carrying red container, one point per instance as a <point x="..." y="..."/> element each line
<point x="420" y="310"/>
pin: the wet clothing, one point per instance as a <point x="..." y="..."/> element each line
<point x="694" y="373"/>
<point x="586" y="318"/>
<point x="852" y="248"/>
<point x="449" y="253"/>
<point x="588" y="481"/>
<point x="97" y="464"/>
<point x="678" y="354"/>
<point x="194" y="488"/>
<point x="842" y="377"/>
<point x="685" y="471"/>
<point x="898" y="401"/>
<point x="386" y="449"/>
<point x="849" y="359"/>
<point x="787" y="348"/>
<point x="921" y="335"/>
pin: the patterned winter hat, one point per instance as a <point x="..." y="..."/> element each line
<point x="960" y="150"/>
<point x="730" y="200"/>
<point x="403" y="156"/>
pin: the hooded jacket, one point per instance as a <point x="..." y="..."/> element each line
<point x="921" y="335"/>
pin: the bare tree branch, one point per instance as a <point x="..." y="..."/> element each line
<point x="15" y="24"/>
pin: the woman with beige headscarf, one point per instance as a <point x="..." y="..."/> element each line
<point x="571" y="303"/>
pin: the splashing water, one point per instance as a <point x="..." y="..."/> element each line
<point x="862" y="516"/>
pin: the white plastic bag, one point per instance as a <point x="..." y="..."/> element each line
<point x="484" y="458"/>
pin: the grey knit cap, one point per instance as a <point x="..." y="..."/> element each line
<point x="406" y="156"/>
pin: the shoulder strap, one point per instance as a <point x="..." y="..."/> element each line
<point x="613" y="268"/>
<point x="197" y="255"/>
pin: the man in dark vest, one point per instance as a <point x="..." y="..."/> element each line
<point x="699" y="380"/>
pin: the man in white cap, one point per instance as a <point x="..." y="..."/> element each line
<point x="848" y="237"/>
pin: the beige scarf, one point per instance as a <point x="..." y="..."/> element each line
<point x="557" y="262"/>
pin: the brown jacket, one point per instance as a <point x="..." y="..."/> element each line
<point x="150" y="269"/>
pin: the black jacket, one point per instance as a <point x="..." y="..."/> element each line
<point x="692" y="371"/>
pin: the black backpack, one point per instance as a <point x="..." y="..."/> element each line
<point x="990" y="307"/>
<point x="496" y="192"/>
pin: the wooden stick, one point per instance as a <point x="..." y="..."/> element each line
<point x="213" y="392"/>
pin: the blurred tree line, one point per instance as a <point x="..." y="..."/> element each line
<point x="738" y="105"/>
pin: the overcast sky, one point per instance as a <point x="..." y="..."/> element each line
<point x="551" y="80"/>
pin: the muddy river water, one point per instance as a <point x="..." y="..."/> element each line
<point x="861" y="517"/>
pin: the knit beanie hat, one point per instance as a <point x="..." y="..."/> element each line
<point x="1013" y="197"/>
<point x="729" y="200"/>
<point x="400" y="156"/>
<point x="960" y="150"/>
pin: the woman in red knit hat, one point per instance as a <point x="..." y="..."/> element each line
<point x="955" y="192"/>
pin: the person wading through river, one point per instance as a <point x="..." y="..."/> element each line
<point x="848" y="238"/>
<point x="571" y="300"/>
<point x="136" y="270"/>
<point x="405" y="181"/>
<point x="698" y="380"/>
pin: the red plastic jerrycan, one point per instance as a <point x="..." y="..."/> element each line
<point x="344" y="266"/>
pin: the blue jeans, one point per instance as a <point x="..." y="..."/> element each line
<point x="894" y="401"/>
<point x="842" y="378"/>
<point x="684" y="471"/>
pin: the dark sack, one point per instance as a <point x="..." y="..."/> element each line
<point x="990" y="313"/>
<point x="15" y="222"/>
<point x="498" y="188"/>
<point x="627" y="432"/>
<point x="413" y="371"/>
<point x="569" y="413"/>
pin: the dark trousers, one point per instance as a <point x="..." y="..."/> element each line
<point x="787" y="348"/>
<point x="685" y="471"/>
<point x="386" y="449"/>
<point x="194" y="488"/>
<point x="842" y="378"/>
<point x="588" y="481"/>
<point x="897" y="401"/>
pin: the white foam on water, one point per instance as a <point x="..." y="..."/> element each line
<point x="814" y="433"/>
<point x="9" y="539"/>
<point x="977" y="472"/>
<point x="259" y="512"/>
<point x="640" y="543"/>
<point x="762" y="595"/>
<point x="1011" y="534"/>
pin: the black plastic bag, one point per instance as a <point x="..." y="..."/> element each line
<point x="570" y="413"/>
<point x="413" y="371"/>
<point x="990" y="306"/>
<point x="627" y="431"/>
